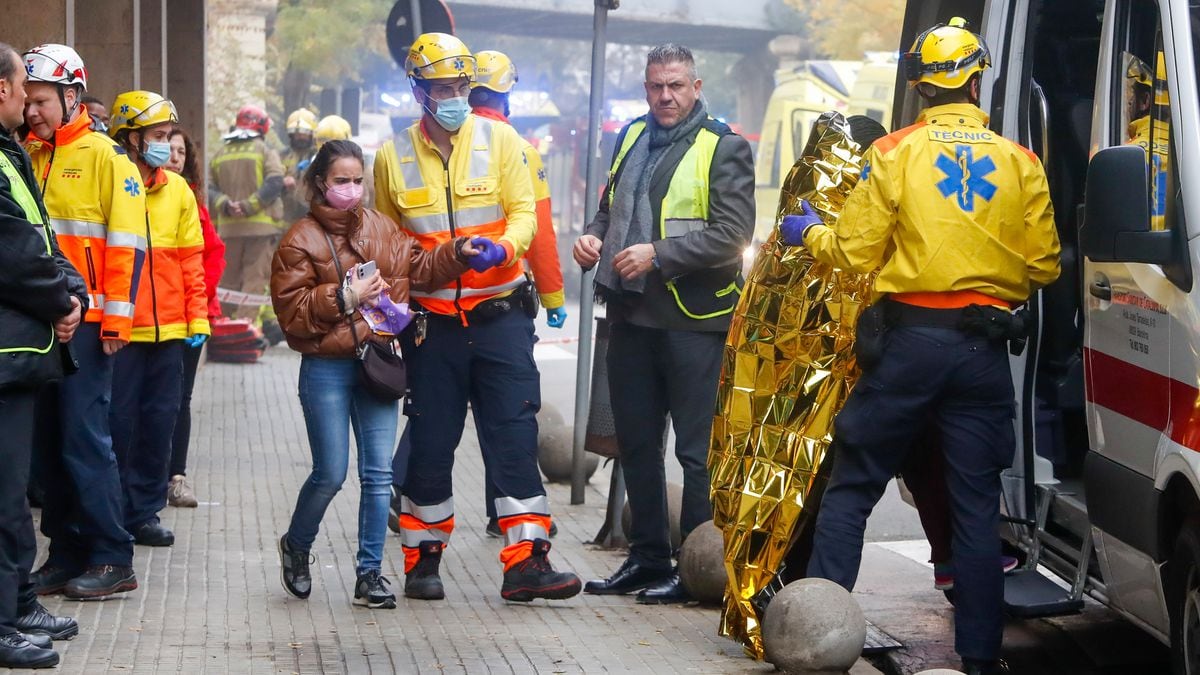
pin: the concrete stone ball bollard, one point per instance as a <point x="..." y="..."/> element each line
<point x="702" y="564"/>
<point x="813" y="627"/>
<point x="555" y="447"/>
<point x="674" y="508"/>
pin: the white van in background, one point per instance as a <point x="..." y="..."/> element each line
<point x="1103" y="491"/>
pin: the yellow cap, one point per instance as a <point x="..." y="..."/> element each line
<point x="436" y="56"/>
<point x="946" y="56"/>
<point x="138" y="110"/>
<point x="494" y="71"/>
<point x="301" y="120"/>
<point x="331" y="128"/>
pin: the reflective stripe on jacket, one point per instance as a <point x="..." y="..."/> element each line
<point x="172" y="304"/>
<point x="960" y="207"/>
<point x="483" y="189"/>
<point x="97" y="207"/>
<point x="684" y="209"/>
<point x="237" y="173"/>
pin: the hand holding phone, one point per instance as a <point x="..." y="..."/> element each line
<point x="365" y="270"/>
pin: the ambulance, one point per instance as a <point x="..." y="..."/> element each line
<point x="1103" y="496"/>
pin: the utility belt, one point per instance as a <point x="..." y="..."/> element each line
<point x="524" y="297"/>
<point x="993" y="323"/>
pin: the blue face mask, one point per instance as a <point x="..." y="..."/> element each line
<point x="156" y="154"/>
<point x="452" y="113"/>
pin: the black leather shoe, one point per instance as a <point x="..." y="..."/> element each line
<point x="100" y="581"/>
<point x="39" y="620"/>
<point x="152" y="533"/>
<point x="669" y="592"/>
<point x="39" y="640"/>
<point x="629" y="577"/>
<point x="50" y="579"/>
<point x="974" y="667"/>
<point x="17" y="652"/>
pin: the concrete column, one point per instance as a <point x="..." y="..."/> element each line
<point x="104" y="39"/>
<point x="186" y="21"/>
<point x="150" y="28"/>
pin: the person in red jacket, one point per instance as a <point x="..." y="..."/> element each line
<point x="185" y="162"/>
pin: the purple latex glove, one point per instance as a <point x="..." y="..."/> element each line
<point x="794" y="227"/>
<point x="490" y="254"/>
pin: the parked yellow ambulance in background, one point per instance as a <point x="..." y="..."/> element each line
<point x="1103" y="491"/>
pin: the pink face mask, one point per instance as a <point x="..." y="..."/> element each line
<point x="344" y="197"/>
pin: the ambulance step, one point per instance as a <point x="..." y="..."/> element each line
<point x="1028" y="594"/>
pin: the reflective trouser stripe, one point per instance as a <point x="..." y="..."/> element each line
<point x="525" y="531"/>
<point x="522" y="520"/>
<point x="450" y="293"/>
<point x="511" y="506"/>
<point x="419" y="523"/>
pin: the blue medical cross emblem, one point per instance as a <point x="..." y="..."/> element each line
<point x="866" y="172"/>
<point x="459" y="64"/>
<point x="125" y="109"/>
<point x="966" y="177"/>
<point x="132" y="187"/>
<point x="542" y="175"/>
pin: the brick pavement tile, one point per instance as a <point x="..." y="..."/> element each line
<point x="213" y="603"/>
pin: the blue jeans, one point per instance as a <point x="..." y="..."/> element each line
<point x="333" y="399"/>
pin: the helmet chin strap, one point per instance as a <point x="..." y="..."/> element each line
<point x="62" y="99"/>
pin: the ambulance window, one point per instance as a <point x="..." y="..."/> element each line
<point x="1145" y="110"/>
<point x="802" y="124"/>
<point x="766" y="172"/>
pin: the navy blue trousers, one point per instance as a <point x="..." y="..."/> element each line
<point x="147" y="390"/>
<point x="404" y="452"/>
<point x="962" y="385"/>
<point x="83" y="513"/>
<point x="490" y="363"/>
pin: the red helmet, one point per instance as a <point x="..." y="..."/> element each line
<point x="253" y="118"/>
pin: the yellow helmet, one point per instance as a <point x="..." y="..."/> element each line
<point x="331" y="128"/>
<point x="138" y="110"/>
<point x="946" y="56"/>
<point x="435" y="56"/>
<point x="494" y="71"/>
<point x="301" y="120"/>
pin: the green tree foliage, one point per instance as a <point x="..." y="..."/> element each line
<point x="844" y="29"/>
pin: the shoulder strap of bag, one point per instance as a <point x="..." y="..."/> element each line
<point x="342" y="279"/>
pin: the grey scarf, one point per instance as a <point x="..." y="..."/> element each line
<point x="630" y="216"/>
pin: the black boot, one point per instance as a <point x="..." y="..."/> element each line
<point x="534" y="577"/>
<point x="17" y="652"/>
<point x="101" y="580"/>
<point x="152" y="533"/>
<point x="38" y="620"/>
<point x="371" y="591"/>
<point x="50" y="579"/>
<point x="423" y="582"/>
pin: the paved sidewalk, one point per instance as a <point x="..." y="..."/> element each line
<point x="214" y="602"/>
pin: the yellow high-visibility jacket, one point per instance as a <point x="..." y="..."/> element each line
<point x="947" y="205"/>
<point x="1158" y="158"/>
<point x="172" y="304"/>
<point x="97" y="207"/>
<point x="482" y="189"/>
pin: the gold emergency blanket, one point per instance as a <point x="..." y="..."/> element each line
<point x="786" y="371"/>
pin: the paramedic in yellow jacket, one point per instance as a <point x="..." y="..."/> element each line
<point x="171" y="315"/>
<point x="97" y="207"/>
<point x="1148" y="109"/>
<point x="452" y="174"/>
<point x="959" y="218"/>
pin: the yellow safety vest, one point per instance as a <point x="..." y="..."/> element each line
<point x="28" y="204"/>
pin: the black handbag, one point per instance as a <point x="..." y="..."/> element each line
<point x="380" y="368"/>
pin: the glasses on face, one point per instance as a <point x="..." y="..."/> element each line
<point x="441" y="92"/>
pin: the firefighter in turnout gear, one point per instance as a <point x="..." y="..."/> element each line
<point x="453" y="174"/>
<point x="301" y="125"/>
<point x="97" y="207"/>
<point x="959" y="221"/>
<point x="244" y="193"/>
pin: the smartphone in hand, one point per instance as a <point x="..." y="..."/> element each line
<point x="366" y="269"/>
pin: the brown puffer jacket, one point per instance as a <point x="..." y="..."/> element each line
<point x="304" y="280"/>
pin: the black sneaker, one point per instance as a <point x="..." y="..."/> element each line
<point x="51" y="579"/>
<point x="152" y="533"/>
<point x="293" y="569"/>
<point x="423" y="582"/>
<point x="39" y="620"/>
<point x="493" y="528"/>
<point x="534" y="577"/>
<point x="101" y="580"/>
<point x="371" y="591"/>
<point x="17" y="652"/>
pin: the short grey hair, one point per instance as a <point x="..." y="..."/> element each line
<point x="10" y="60"/>
<point x="673" y="53"/>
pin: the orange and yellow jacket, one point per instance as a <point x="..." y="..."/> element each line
<point x="542" y="255"/>
<point x="97" y="207"/>
<point x="481" y="190"/>
<point x="946" y="205"/>
<point x="172" y="304"/>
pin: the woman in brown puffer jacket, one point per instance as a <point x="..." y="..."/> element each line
<point x="315" y="307"/>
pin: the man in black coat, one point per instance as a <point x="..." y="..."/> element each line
<point x="667" y="244"/>
<point x="42" y="299"/>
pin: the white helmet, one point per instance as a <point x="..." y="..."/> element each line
<point x="56" y="64"/>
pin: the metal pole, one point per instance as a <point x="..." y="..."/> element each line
<point x="583" y="368"/>
<point x="415" y="10"/>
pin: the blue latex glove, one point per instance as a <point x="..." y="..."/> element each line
<point x="793" y="228"/>
<point x="196" y="341"/>
<point x="490" y="254"/>
<point x="555" y="318"/>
